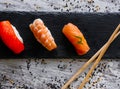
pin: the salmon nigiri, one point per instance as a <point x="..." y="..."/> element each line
<point x="76" y="37"/>
<point x="42" y="34"/>
<point x="11" y="37"/>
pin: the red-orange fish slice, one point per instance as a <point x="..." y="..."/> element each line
<point x="11" y="37"/>
<point x="42" y="34"/>
<point x="76" y="37"/>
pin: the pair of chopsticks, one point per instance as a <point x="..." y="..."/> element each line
<point x="97" y="56"/>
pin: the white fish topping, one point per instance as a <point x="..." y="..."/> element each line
<point x="39" y="31"/>
<point x="42" y="36"/>
<point x="46" y="41"/>
<point x="17" y="33"/>
<point x="34" y="22"/>
<point x="47" y="28"/>
<point x="35" y="28"/>
<point x="40" y="20"/>
<point x="50" y="35"/>
<point x="49" y="44"/>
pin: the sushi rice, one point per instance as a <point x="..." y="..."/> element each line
<point x="17" y="33"/>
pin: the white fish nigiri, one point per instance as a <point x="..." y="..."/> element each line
<point x="42" y="34"/>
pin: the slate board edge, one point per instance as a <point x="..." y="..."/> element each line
<point x="19" y="12"/>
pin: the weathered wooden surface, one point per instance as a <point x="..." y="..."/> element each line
<point x="53" y="73"/>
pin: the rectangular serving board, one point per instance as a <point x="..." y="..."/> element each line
<point x="96" y="27"/>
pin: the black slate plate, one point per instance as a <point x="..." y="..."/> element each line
<point x="96" y="27"/>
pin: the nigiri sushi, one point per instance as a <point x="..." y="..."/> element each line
<point x="42" y="34"/>
<point x="76" y="37"/>
<point x="11" y="37"/>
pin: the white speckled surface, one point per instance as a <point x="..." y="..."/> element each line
<point x="53" y="73"/>
<point x="61" y="5"/>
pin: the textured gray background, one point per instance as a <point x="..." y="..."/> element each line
<point x="53" y="73"/>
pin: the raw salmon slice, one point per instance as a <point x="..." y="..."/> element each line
<point x="76" y="37"/>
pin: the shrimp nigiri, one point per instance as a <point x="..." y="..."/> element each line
<point x="42" y="34"/>
<point x="76" y="37"/>
<point x="10" y="37"/>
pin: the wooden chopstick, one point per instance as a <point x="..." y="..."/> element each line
<point x="81" y="70"/>
<point x="87" y="63"/>
<point x="99" y="57"/>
